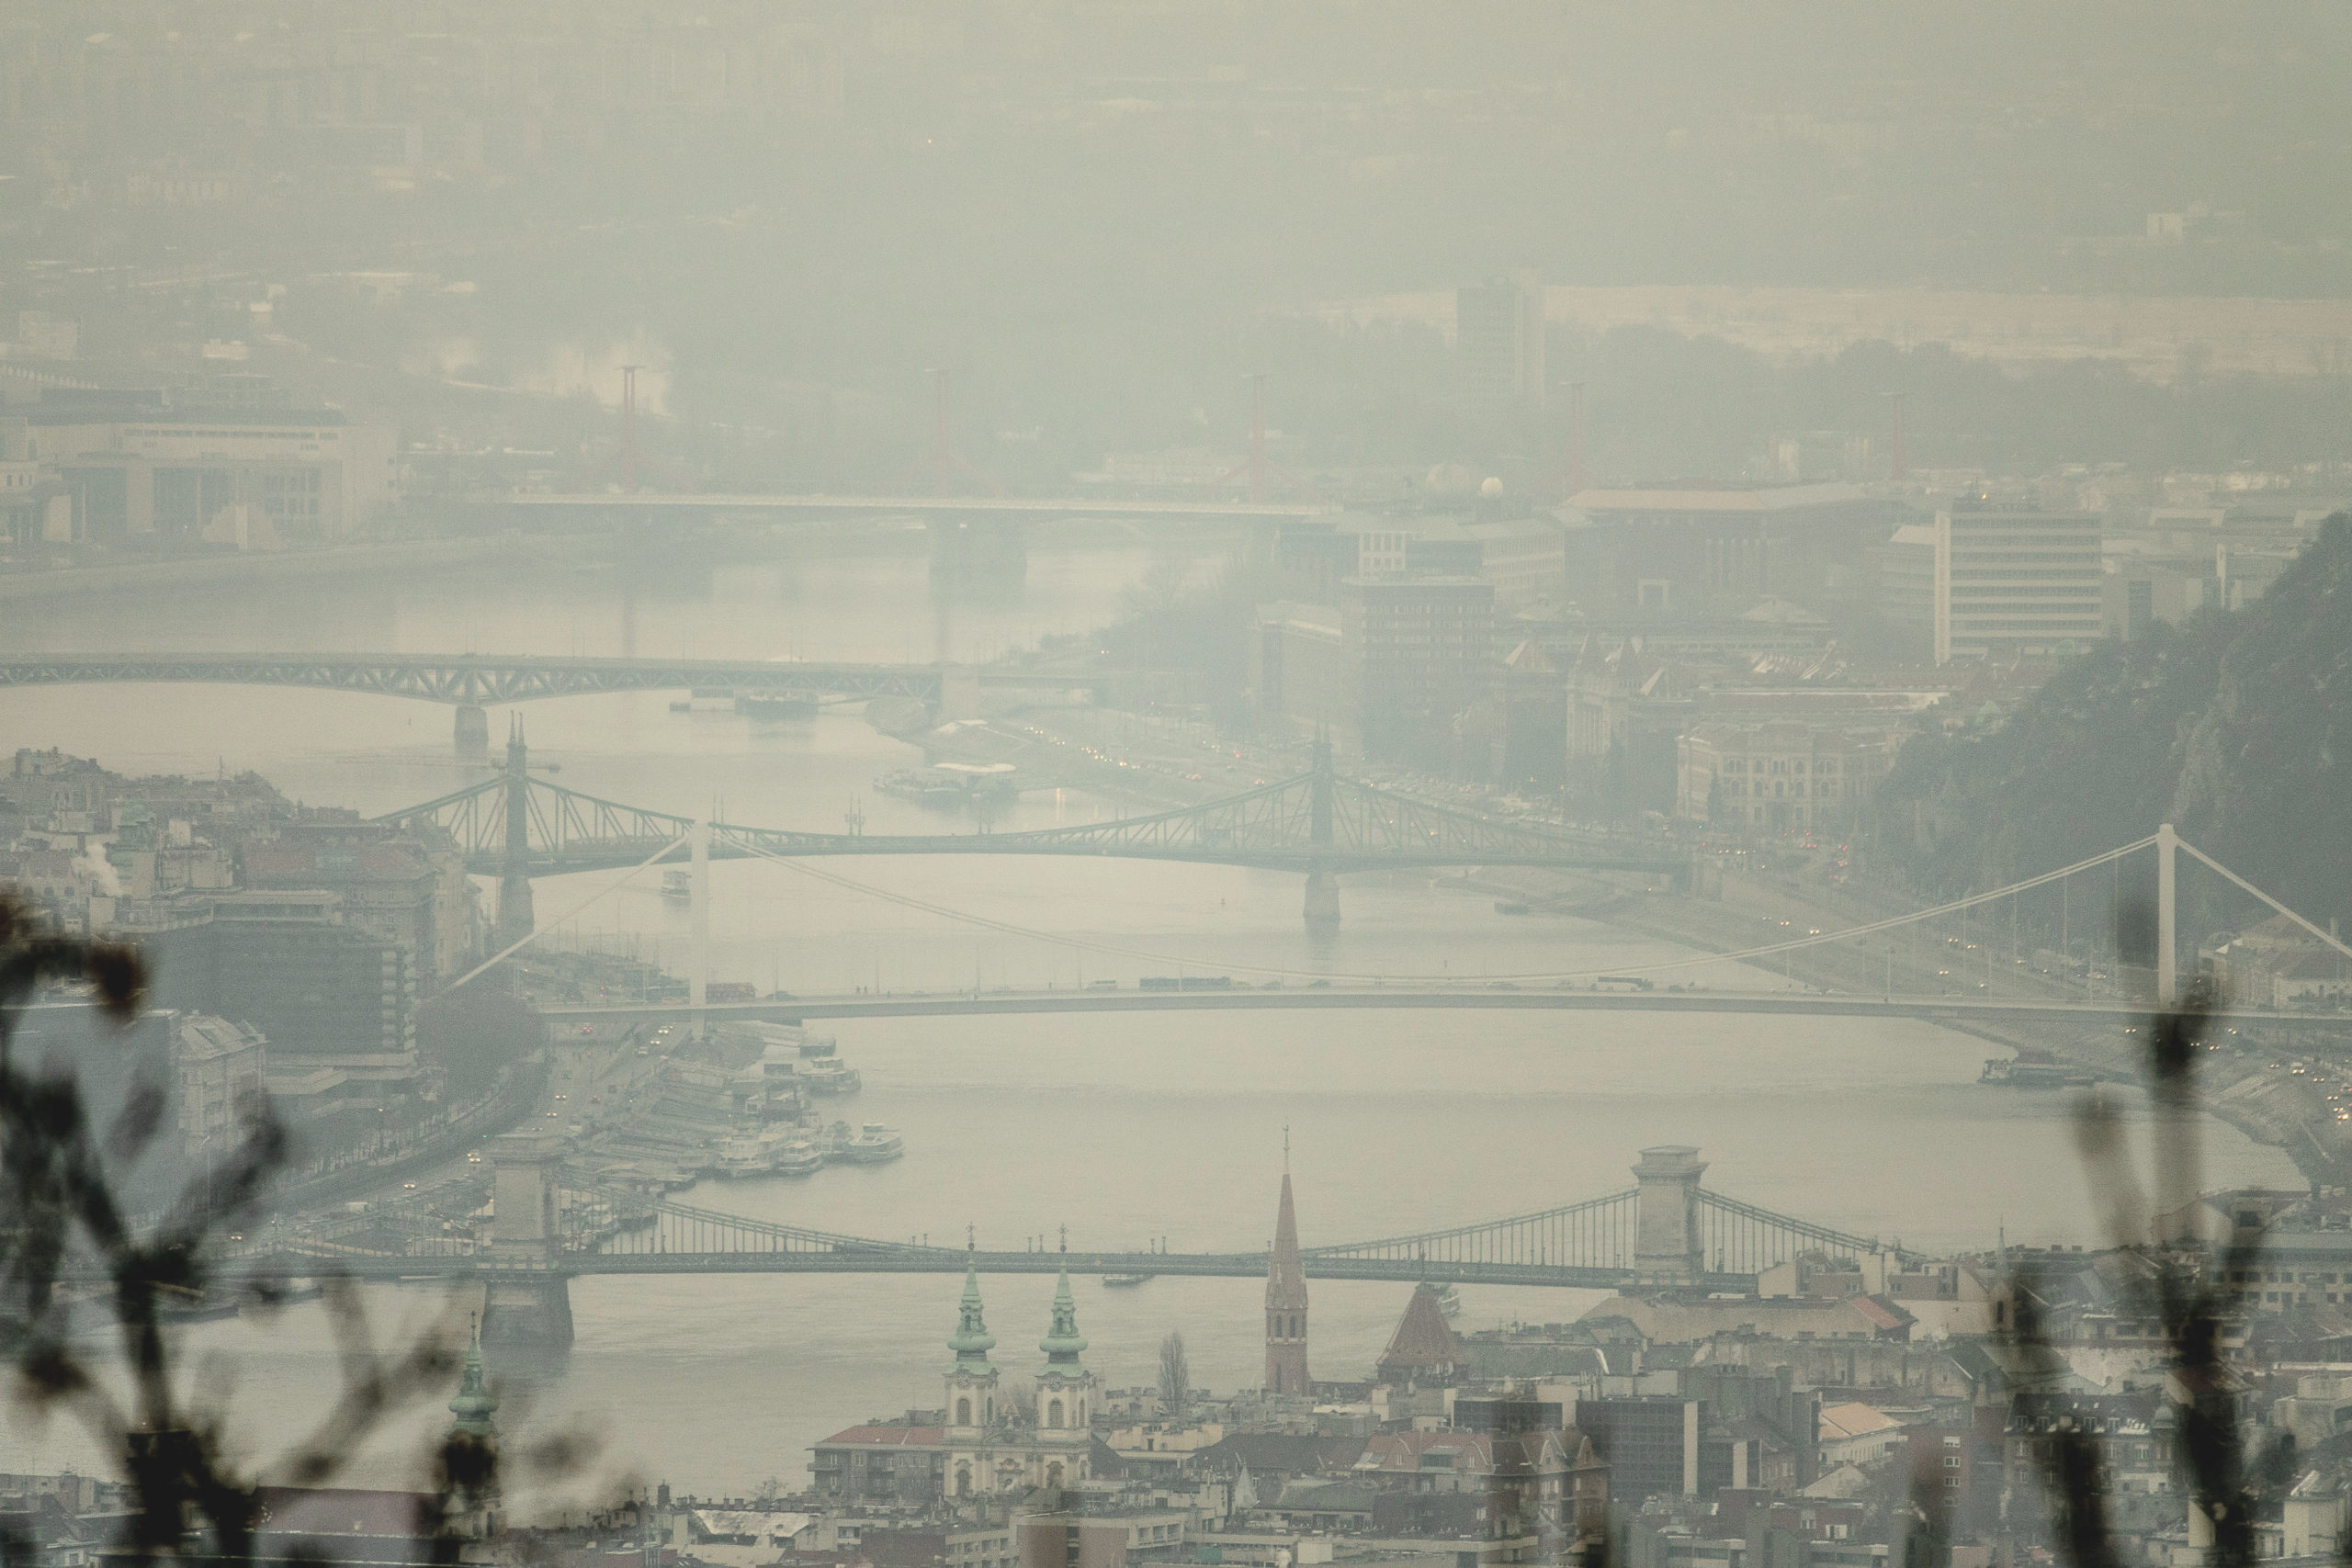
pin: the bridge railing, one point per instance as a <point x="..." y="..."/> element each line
<point x="1595" y="1234"/>
<point x="1740" y="1238"/>
<point x="679" y="1229"/>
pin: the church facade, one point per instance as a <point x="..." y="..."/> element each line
<point x="998" y="1434"/>
<point x="993" y="1445"/>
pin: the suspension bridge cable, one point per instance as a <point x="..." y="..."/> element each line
<point x="512" y="948"/>
<point x="1890" y="923"/>
<point x="1088" y="944"/>
<point x="2266" y="897"/>
<point x="1007" y="928"/>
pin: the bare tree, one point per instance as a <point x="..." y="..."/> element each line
<point x="2190" y="1291"/>
<point x="1175" y="1377"/>
<point x="65" y="1225"/>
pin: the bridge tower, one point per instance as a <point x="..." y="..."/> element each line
<point x="525" y="1301"/>
<point x="515" y="920"/>
<point x="1667" y="1253"/>
<point x="1286" y="1301"/>
<point x="2167" y="916"/>
<point x="1322" y="887"/>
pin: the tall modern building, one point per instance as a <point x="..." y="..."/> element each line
<point x="1499" y="339"/>
<point x="1651" y="1444"/>
<point x="1420" y="651"/>
<point x="1285" y="1305"/>
<point x="337" y="1004"/>
<point x="2016" y="585"/>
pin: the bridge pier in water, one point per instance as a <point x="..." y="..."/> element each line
<point x="532" y="1313"/>
<point x="525" y="1302"/>
<point x="473" y="734"/>
<point x="1322" y="903"/>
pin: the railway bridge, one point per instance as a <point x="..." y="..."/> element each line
<point x="469" y="682"/>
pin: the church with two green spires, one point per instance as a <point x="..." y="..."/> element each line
<point x="992" y="1445"/>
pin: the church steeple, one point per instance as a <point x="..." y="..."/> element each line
<point x="1285" y="1298"/>
<point x="474" y="1403"/>
<point x="1065" y="1395"/>
<point x="971" y="1341"/>
<point x="1063" y="1343"/>
<point x="970" y="1394"/>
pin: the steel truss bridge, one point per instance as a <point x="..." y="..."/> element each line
<point x="475" y="680"/>
<point x="1589" y="1245"/>
<point x="1315" y="822"/>
<point x="997" y="505"/>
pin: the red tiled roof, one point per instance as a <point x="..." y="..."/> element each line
<point x="1882" y="1313"/>
<point x="891" y="1436"/>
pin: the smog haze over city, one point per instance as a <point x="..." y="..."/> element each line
<point x="1059" y="783"/>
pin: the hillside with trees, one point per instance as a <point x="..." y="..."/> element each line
<point x="2237" y="727"/>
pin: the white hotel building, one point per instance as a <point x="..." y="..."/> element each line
<point x="2016" y="585"/>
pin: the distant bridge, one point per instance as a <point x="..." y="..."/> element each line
<point x="1000" y="506"/>
<point x="1693" y="1240"/>
<point x="515" y="825"/>
<point x="473" y="680"/>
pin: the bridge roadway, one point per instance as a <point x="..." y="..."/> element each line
<point x="881" y="1259"/>
<point x="1001" y="505"/>
<point x="476" y="680"/>
<point x="1293" y="996"/>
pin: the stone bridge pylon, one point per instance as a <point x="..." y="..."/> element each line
<point x="526" y="1300"/>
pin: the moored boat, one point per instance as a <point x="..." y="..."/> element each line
<point x="798" y="1157"/>
<point x="821" y="1069"/>
<point x="2030" y="1068"/>
<point x="873" y="1144"/>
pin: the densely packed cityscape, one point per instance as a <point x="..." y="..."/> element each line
<point x="748" y="751"/>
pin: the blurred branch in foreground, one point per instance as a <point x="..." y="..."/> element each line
<point x="67" y="1247"/>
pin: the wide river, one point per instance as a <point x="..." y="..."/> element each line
<point x="1120" y="1128"/>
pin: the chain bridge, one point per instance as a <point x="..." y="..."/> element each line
<point x="1665" y="1233"/>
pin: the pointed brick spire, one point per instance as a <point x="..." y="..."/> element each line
<point x="1286" y="1304"/>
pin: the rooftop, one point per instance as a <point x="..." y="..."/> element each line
<point x="1726" y="498"/>
<point x="887" y="1438"/>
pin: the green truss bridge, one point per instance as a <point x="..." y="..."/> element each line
<point x="516" y="827"/>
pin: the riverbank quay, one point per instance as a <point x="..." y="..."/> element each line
<point x="184" y="573"/>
